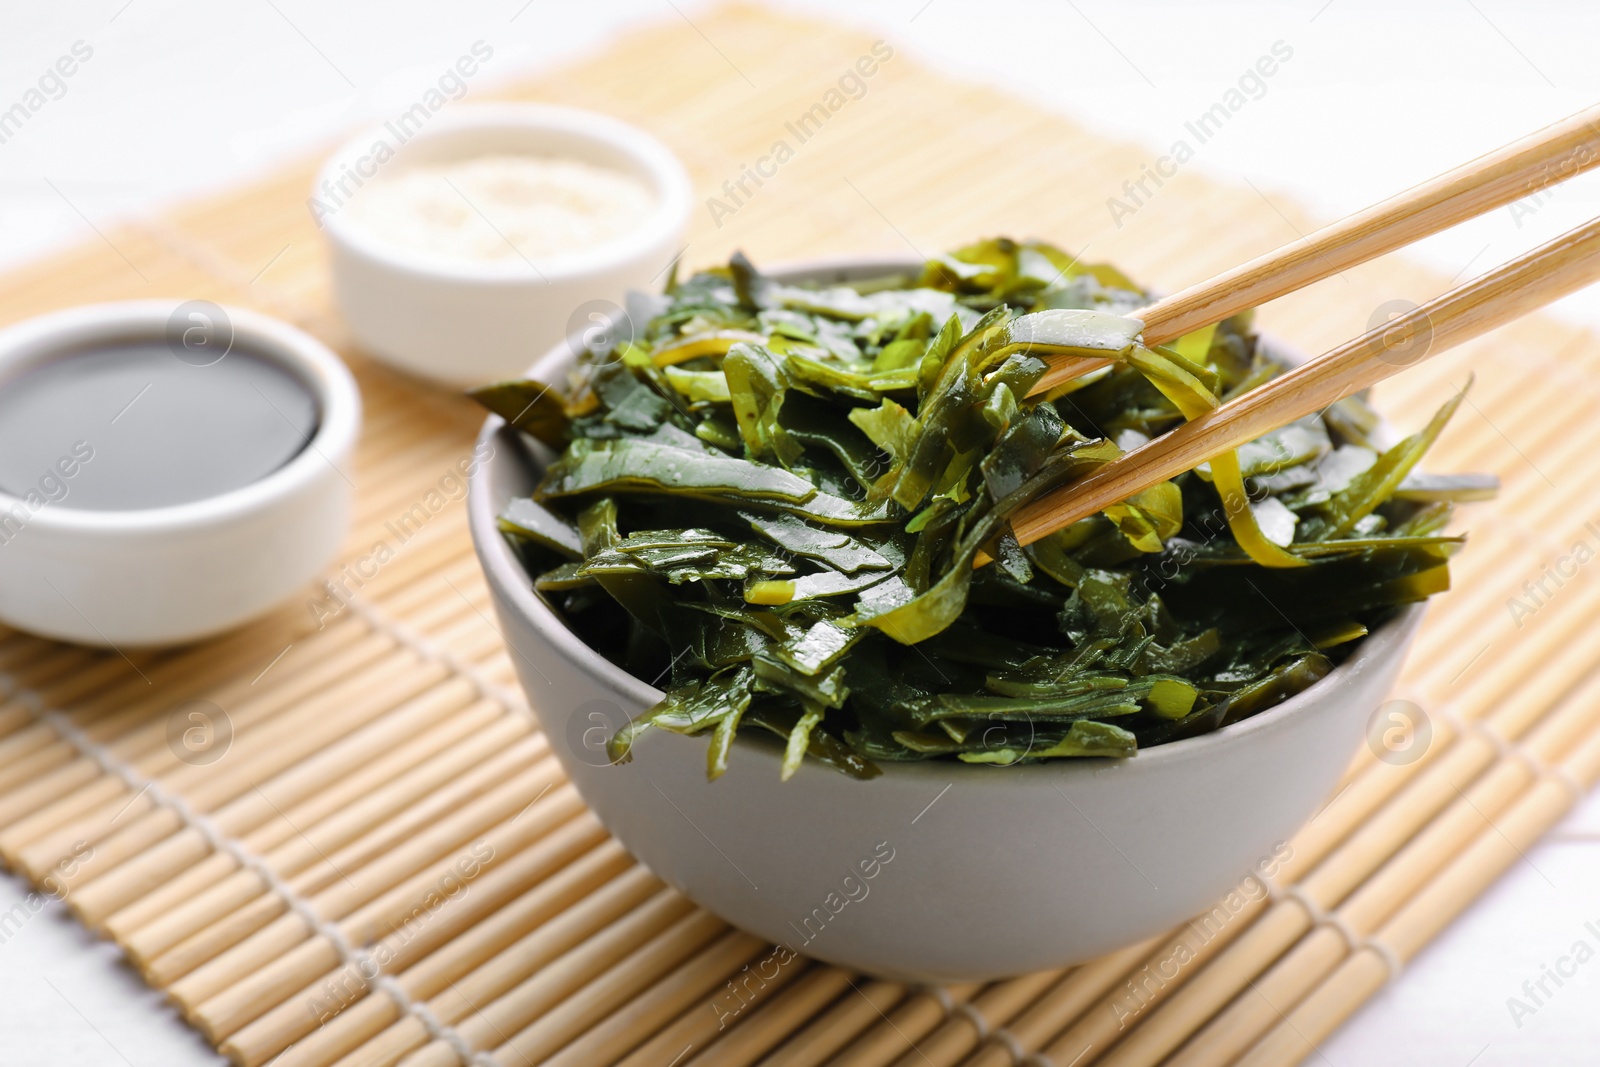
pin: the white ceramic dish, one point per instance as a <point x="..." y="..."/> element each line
<point x="465" y="323"/>
<point x="164" y="575"/>
<point x="992" y="871"/>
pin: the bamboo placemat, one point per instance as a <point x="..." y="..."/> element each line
<point x="384" y="805"/>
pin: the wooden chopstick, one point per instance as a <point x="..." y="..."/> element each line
<point x="1516" y="170"/>
<point x="1547" y="273"/>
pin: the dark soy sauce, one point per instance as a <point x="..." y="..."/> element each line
<point x="128" y="425"/>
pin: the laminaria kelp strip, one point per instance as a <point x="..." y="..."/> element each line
<point x="1406" y="836"/>
<point x="775" y="495"/>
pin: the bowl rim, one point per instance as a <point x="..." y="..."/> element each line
<point x="510" y="580"/>
<point x="311" y="362"/>
<point x="666" y="173"/>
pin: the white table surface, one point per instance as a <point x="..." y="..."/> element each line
<point x="182" y="97"/>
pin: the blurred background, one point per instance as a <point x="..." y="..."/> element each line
<point x="171" y="99"/>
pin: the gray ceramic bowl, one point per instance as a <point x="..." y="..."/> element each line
<point x="934" y="871"/>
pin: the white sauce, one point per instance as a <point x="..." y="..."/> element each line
<point x="503" y="209"/>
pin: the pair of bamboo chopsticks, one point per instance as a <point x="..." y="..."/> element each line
<point x="1549" y="272"/>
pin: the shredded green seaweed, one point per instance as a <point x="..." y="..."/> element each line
<point x="771" y="501"/>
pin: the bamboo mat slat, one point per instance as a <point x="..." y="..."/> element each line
<point x="387" y="867"/>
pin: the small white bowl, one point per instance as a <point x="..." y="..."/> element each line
<point x="935" y="871"/>
<point x="468" y="323"/>
<point x="165" y="575"/>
